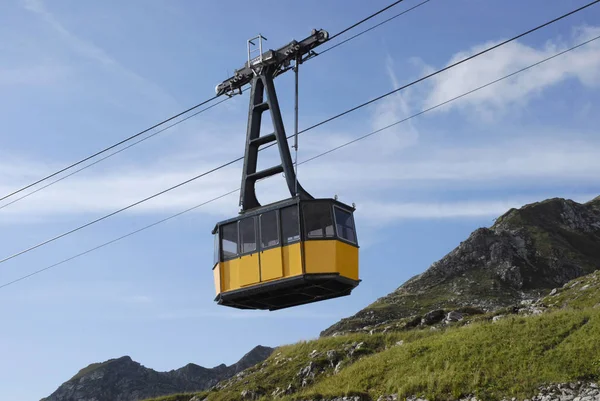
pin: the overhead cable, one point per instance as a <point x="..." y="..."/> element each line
<point x="112" y="154"/>
<point x="365" y="19"/>
<point x="164" y="122"/>
<point x="305" y="161"/>
<point x="371" y="28"/>
<point x="106" y="149"/>
<point x="305" y="130"/>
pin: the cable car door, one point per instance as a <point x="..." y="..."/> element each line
<point x="249" y="269"/>
<point x="271" y="261"/>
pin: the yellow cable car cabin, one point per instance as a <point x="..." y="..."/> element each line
<point x="289" y="253"/>
<point x="293" y="252"/>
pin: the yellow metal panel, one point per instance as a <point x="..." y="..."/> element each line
<point x="320" y="256"/>
<point x="217" y="277"/>
<point x="330" y="256"/>
<point x="271" y="264"/>
<point x="347" y="260"/>
<point x="292" y="260"/>
<point x="231" y="280"/>
<point x="249" y="269"/>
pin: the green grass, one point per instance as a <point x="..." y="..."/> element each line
<point x="89" y="369"/>
<point x="285" y="363"/>
<point x="511" y="357"/>
<point x="578" y="294"/>
<point x="180" y="397"/>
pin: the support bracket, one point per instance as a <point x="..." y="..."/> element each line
<point x="262" y="84"/>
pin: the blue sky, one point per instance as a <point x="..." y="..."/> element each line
<point x="78" y="76"/>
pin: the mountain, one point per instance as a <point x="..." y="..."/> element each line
<point x="525" y="254"/>
<point x="123" y="379"/>
<point x="547" y="349"/>
<point x="513" y="312"/>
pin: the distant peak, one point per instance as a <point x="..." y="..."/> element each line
<point x="98" y="365"/>
<point x="260" y="348"/>
<point x="123" y="360"/>
<point x="192" y="366"/>
<point x="596" y="200"/>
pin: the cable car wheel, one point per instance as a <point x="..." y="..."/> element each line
<point x="290" y="253"/>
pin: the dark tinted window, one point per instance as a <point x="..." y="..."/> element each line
<point x="269" y="230"/>
<point x="290" y="225"/>
<point x="318" y="222"/>
<point x="247" y="235"/>
<point x="229" y="240"/>
<point x="344" y="224"/>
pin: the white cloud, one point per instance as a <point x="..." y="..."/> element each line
<point x="389" y="110"/>
<point x="582" y="64"/>
<point x="509" y="163"/>
<point x="398" y="160"/>
<point x="382" y="212"/>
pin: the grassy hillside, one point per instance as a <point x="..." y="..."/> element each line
<point x="509" y="353"/>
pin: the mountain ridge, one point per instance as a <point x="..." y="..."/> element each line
<point x="523" y="255"/>
<point x="123" y="379"/>
<point x="516" y="282"/>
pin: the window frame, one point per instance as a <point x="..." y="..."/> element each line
<point x="221" y="248"/>
<point x="256" y="238"/>
<point x="298" y="225"/>
<point x="278" y="230"/>
<point x="337" y="234"/>
<point x="324" y="237"/>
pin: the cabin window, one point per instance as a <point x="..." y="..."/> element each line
<point x="248" y="235"/>
<point x="229" y="240"/>
<point x="269" y="229"/>
<point x="318" y="222"/>
<point x="290" y="224"/>
<point x="344" y="224"/>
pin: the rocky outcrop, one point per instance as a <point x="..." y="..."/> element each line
<point x="525" y="254"/>
<point x="578" y="391"/>
<point x="123" y="379"/>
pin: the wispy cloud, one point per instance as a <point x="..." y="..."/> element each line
<point x="389" y="212"/>
<point x="365" y="172"/>
<point x="89" y="50"/>
<point x="389" y="110"/>
<point x="33" y="75"/>
<point x="550" y="161"/>
<point x="583" y="65"/>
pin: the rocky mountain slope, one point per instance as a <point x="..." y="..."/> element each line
<point x="123" y="379"/>
<point x="544" y="350"/>
<point x="520" y="299"/>
<point x="513" y="311"/>
<point x="526" y="253"/>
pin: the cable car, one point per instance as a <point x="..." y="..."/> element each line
<point x="288" y="253"/>
<point x="291" y="252"/>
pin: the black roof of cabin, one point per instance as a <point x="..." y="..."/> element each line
<point x="280" y="205"/>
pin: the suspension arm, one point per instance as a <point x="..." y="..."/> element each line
<point x="279" y="61"/>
